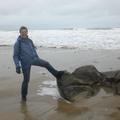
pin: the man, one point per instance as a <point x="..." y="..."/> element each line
<point x="25" y="53"/>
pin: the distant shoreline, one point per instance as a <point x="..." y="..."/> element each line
<point x="67" y="48"/>
<point x="89" y="28"/>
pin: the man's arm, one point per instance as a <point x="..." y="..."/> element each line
<point x="16" y="55"/>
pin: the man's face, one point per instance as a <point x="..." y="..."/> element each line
<point x="24" y="33"/>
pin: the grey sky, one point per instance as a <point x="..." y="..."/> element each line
<point x="48" y="14"/>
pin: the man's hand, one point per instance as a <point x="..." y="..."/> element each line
<point x="18" y="70"/>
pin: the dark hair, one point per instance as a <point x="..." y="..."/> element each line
<point x="22" y="27"/>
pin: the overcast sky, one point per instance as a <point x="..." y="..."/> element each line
<point x="50" y="14"/>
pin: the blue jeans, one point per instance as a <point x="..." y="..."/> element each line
<point x="26" y="73"/>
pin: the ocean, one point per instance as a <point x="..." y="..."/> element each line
<point x="74" y="38"/>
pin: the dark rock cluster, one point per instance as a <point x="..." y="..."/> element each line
<point x="86" y="79"/>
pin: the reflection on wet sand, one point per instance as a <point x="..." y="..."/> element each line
<point x="115" y="116"/>
<point x="70" y="109"/>
<point x="67" y="111"/>
<point x="25" y="111"/>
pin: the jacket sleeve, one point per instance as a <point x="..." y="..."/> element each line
<point x="16" y="55"/>
<point x="36" y="52"/>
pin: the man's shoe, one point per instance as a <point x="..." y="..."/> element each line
<point x="24" y="98"/>
<point x="60" y="73"/>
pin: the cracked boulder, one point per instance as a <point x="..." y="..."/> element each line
<point x="70" y="86"/>
<point x="88" y="74"/>
<point x="112" y="77"/>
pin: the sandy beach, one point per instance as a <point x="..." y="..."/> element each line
<point x="105" y="105"/>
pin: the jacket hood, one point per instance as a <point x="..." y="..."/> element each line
<point x="22" y="39"/>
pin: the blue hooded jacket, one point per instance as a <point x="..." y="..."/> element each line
<point x="24" y="53"/>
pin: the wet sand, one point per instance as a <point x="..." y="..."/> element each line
<point x="103" y="106"/>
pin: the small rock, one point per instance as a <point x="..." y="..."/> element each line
<point x="118" y="58"/>
<point x="96" y="62"/>
<point x="118" y="108"/>
<point x="118" y="88"/>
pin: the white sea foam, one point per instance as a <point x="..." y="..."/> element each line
<point x="108" y="38"/>
<point x="49" y="88"/>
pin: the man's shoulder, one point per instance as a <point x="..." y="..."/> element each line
<point x="30" y="40"/>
